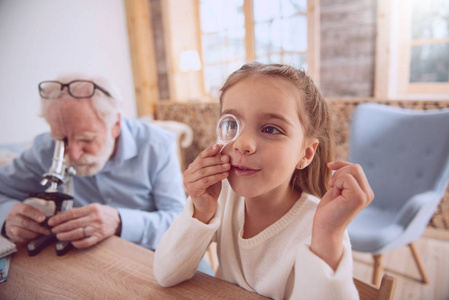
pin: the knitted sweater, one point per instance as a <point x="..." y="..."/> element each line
<point x="276" y="263"/>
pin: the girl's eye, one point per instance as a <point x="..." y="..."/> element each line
<point x="270" y="130"/>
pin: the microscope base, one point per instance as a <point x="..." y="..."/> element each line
<point x="38" y="244"/>
<point x="62" y="247"/>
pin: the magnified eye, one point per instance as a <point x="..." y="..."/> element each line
<point x="231" y="128"/>
<point x="228" y="128"/>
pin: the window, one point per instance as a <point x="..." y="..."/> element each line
<point x="222" y="39"/>
<point x="271" y="31"/>
<point x="429" y="43"/>
<point x="419" y="41"/>
<point x="280" y="31"/>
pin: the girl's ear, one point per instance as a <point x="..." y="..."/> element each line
<point x="116" y="127"/>
<point x="309" y="153"/>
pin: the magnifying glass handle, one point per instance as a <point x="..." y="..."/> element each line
<point x="222" y="148"/>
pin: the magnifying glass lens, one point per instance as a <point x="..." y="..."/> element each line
<point x="228" y="128"/>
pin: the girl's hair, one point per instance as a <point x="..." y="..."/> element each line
<point x="313" y="113"/>
<point x="106" y="107"/>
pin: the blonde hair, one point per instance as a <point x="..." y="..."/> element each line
<point x="313" y="114"/>
<point x="107" y="108"/>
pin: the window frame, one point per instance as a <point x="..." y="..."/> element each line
<point x="393" y="55"/>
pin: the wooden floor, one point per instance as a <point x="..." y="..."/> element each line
<point x="433" y="247"/>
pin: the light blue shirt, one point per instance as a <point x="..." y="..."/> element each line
<point x="142" y="181"/>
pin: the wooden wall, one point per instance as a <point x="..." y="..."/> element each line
<point x="348" y="43"/>
<point x="157" y="21"/>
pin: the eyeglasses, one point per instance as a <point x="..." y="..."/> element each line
<point x="78" y="89"/>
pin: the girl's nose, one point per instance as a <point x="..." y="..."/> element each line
<point x="245" y="143"/>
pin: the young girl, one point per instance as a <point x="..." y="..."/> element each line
<point x="259" y="199"/>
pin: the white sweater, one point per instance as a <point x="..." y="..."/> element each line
<point x="276" y="263"/>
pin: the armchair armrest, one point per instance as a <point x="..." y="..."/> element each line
<point x="417" y="212"/>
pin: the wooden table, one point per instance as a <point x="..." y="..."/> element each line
<point x="113" y="269"/>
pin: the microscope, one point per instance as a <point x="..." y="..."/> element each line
<point x="52" y="200"/>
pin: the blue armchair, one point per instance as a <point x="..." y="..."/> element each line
<point x="405" y="156"/>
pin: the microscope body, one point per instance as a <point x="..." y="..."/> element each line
<point x="52" y="200"/>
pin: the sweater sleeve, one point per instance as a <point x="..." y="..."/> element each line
<point x="315" y="279"/>
<point x="182" y="247"/>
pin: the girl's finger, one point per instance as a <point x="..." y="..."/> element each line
<point x="335" y="165"/>
<point x="198" y="188"/>
<point x="341" y="168"/>
<point x="351" y="190"/>
<point x="206" y="172"/>
<point x="210" y="151"/>
<point x="201" y="163"/>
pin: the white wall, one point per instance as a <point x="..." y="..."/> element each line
<point x="42" y="39"/>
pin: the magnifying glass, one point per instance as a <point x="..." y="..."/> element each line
<point x="228" y="129"/>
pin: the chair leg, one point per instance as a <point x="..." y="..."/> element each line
<point x="377" y="272"/>
<point x="419" y="263"/>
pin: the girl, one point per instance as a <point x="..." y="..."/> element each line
<point x="259" y="198"/>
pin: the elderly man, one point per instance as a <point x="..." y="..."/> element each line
<point x="128" y="180"/>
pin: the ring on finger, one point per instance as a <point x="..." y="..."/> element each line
<point x="85" y="232"/>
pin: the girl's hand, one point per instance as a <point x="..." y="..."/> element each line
<point x="349" y="193"/>
<point x="203" y="181"/>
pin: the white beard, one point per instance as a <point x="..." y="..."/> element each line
<point x="88" y="164"/>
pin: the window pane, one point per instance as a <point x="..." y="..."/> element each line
<point x="298" y="61"/>
<point x="267" y="37"/>
<point x="275" y="59"/>
<point x="294" y="36"/>
<point x="263" y="59"/>
<point x="430" y="19"/>
<point x="211" y="20"/>
<point x="291" y="7"/>
<point x="270" y="59"/>
<point x="216" y="15"/>
<point x="233" y="66"/>
<point x="265" y="10"/>
<point x="223" y="40"/>
<point x="212" y="48"/>
<point x="429" y="63"/>
<point x="235" y="43"/>
<point x="213" y="77"/>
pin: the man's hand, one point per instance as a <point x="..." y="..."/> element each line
<point x="86" y="226"/>
<point x="23" y="223"/>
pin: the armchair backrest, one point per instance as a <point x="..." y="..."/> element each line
<point x="403" y="152"/>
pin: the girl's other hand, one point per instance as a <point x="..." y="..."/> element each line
<point x="349" y="193"/>
<point x="203" y="179"/>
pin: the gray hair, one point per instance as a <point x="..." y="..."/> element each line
<point x="106" y="107"/>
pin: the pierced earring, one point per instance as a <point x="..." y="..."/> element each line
<point x="302" y="166"/>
